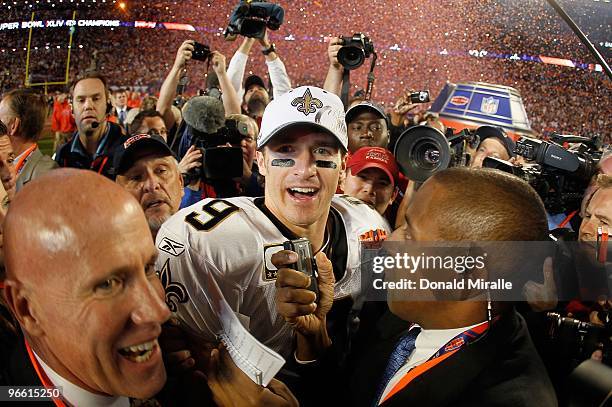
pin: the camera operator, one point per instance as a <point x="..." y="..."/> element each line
<point x="493" y="143"/>
<point x="254" y="95"/>
<point x="152" y="122"/>
<point x="169" y="88"/>
<point x="227" y="148"/>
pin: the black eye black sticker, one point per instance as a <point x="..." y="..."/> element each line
<point x="326" y="164"/>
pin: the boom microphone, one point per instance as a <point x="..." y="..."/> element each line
<point x="204" y="114"/>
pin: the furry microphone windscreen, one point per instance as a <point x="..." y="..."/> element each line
<point x="205" y="114"/>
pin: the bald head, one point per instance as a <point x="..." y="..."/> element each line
<point x="82" y="284"/>
<point x="487" y="205"/>
<point x="64" y="212"/>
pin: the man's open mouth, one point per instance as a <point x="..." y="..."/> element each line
<point x="301" y="193"/>
<point x="139" y="353"/>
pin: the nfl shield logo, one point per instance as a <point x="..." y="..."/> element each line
<point x="489" y="105"/>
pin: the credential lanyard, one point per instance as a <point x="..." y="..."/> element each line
<point x="44" y="379"/>
<point x="449" y="349"/>
<point x="24" y="157"/>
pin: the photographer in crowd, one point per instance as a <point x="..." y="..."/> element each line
<point x="221" y="151"/>
<point x="177" y="73"/>
<point x="494" y="142"/>
<point x="255" y="96"/>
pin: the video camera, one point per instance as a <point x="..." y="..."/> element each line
<point x="250" y="19"/>
<point x="577" y="340"/>
<point x="219" y="162"/>
<point x="355" y="50"/>
<point x="558" y="175"/>
<point x="421" y="151"/>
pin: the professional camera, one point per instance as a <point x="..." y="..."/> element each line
<point x="559" y="176"/>
<point x="421" y="151"/>
<point x="577" y="340"/>
<point x="355" y="50"/>
<point x="250" y="19"/>
<point x="219" y="162"/>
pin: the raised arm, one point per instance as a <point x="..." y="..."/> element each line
<point x="281" y="83"/>
<point x="237" y="65"/>
<point x="231" y="103"/>
<point x="168" y="89"/>
<point x="333" y="80"/>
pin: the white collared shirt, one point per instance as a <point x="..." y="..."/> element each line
<point x="77" y="396"/>
<point x="427" y="343"/>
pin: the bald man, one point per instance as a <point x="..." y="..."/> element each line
<point x="86" y="295"/>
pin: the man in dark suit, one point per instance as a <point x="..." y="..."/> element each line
<point x="497" y="363"/>
<point x="456" y="352"/>
<point x="120" y="107"/>
<point x="24" y="112"/>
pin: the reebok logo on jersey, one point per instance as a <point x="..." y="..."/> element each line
<point x="171" y="247"/>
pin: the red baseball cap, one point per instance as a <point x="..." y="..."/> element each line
<point x="374" y="157"/>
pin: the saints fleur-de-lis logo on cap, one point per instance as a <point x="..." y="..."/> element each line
<point x="307" y="104"/>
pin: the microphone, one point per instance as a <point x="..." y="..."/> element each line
<point x="205" y="114"/>
<point x="95" y="125"/>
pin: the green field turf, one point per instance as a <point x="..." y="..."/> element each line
<point x="46" y="146"/>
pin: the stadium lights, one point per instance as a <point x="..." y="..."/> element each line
<point x="122" y="5"/>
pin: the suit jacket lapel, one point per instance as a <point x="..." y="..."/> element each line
<point x="28" y="169"/>
<point x="442" y="384"/>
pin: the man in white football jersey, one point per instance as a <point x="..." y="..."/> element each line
<point x="301" y="149"/>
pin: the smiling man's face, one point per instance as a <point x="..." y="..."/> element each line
<point x="300" y="194"/>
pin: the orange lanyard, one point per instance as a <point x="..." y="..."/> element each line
<point x="422" y="368"/>
<point x="41" y="374"/>
<point x="21" y="162"/>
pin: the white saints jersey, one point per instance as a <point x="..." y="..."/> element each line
<point x="233" y="240"/>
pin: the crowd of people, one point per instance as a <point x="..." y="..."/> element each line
<point x="196" y="210"/>
<point x="420" y="31"/>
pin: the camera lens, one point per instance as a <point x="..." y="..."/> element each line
<point x="426" y="154"/>
<point x="421" y="151"/>
<point x="351" y="57"/>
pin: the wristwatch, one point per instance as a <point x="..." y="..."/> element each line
<point x="267" y="51"/>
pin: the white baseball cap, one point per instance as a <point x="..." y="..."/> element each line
<point x="304" y="105"/>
